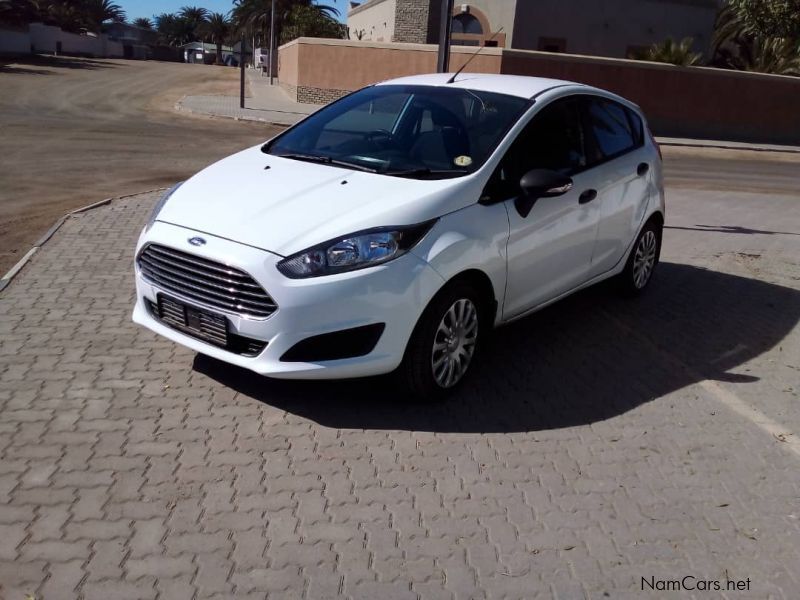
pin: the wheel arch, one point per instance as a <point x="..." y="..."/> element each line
<point x="483" y="285"/>
<point x="657" y="217"/>
<point x="475" y="279"/>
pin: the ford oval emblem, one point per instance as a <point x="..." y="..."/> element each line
<point x="197" y="241"/>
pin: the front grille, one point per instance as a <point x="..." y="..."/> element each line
<point x="206" y="281"/>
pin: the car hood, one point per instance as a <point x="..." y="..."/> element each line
<point x="284" y="206"/>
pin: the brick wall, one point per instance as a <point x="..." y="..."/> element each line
<point x="313" y="95"/>
<point x="411" y="21"/>
<point x="697" y="102"/>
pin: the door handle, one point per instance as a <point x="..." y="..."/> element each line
<point x="587" y="196"/>
<point x="642" y="169"/>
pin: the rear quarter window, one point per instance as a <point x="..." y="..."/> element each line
<point x="637" y="127"/>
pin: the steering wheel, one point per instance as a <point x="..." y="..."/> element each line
<point x="379" y="134"/>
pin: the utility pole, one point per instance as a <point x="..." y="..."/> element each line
<point x="271" y="41"/>
<point x="445" y="29"/>
<point x="241" y="73"/>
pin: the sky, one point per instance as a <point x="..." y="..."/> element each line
<point x="148" y="8"/>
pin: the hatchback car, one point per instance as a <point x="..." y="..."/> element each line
<point x="394" y="228"/>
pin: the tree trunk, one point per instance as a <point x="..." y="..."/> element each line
<point x="219" y="53"/>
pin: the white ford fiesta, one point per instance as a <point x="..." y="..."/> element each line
<point x="394" y="228"/>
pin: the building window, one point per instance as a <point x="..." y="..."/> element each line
<point x="466" y="23"/>
<point x="470" y="27"/>
<point x="547" y="44"/>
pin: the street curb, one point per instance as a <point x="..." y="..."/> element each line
<point x="733" y="146"/>
<point x="6" y="279"/>
<point x="180" y="107"/>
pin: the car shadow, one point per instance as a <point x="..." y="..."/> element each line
<point x="20" y="65"/>
<point x="15" y="69"/>
<point x="590" y="357"/>
<point x="731" y="229"/>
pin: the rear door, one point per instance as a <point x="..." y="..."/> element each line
<point x="616" y="153"/>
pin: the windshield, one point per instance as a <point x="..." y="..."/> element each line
<point x="422" y="132"/>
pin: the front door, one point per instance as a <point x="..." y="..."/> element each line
<point x="550" y="248"/>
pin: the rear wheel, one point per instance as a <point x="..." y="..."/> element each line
<point x="642" y="260"/>
<point x="444" y="343"/>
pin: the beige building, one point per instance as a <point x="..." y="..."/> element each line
<point x="596" y="27"/>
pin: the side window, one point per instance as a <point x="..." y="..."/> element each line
<point x="426" y="121"/>
<point x="636" y="127"/>
<point x="554" y="139"/>
<point x="610" y="129"/>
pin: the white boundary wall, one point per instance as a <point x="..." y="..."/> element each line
<point x="45" y="39"/>
<point x="15" y="42"/>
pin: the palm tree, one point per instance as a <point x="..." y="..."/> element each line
<point x="143" y="22"/>
<point x="65" y="15"/>
<point x="737" y="46"/>
<point x="307" y="21"/>
<point x="728" y="27"/>
<point x="254" y="15"/>
<point x="195" y="17"/>
<point x="96" y="12"/>
<point x="218" y="29"/>
<point x="669" y="51"/>
<point x="174" y="30"/>
<point x="780" y="56"/>
<point x="22" y="12"/>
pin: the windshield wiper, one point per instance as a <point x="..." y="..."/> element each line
<point x="423" y="171"/>
<point x="326" y="160"/>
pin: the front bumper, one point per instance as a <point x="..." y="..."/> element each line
<point x="395" y="294"/>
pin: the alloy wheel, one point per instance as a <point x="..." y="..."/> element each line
<point x="644" y="259"/>
<point x="454" y="343"/>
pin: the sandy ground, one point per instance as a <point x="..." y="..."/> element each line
<point x="75" y="131"/>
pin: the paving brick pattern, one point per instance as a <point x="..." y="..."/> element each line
<point x="582" y="456"/>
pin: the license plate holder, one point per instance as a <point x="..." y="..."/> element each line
<point x="197" y="322"/>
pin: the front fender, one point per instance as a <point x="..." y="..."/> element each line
<point x="473" y="238"/>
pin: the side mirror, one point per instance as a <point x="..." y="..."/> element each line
<point x="544" y="183"/>
<point x="540" y="183"/>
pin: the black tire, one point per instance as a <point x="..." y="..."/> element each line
<point x="647" y="245"/>
<point x="417" y="369"/>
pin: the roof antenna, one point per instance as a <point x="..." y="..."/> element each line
<point x="464" y="66"/>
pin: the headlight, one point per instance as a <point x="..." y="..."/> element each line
<point x="160" y="204"/>
<point x="355" y="251"/>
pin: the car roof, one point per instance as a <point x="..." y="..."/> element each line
<point x="513" y="85"/>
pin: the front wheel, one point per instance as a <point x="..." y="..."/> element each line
<point x="642" y="260"/>
<point x="444" y="343"/>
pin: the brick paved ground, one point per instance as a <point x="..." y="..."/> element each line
<point x="584" y="455"/>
